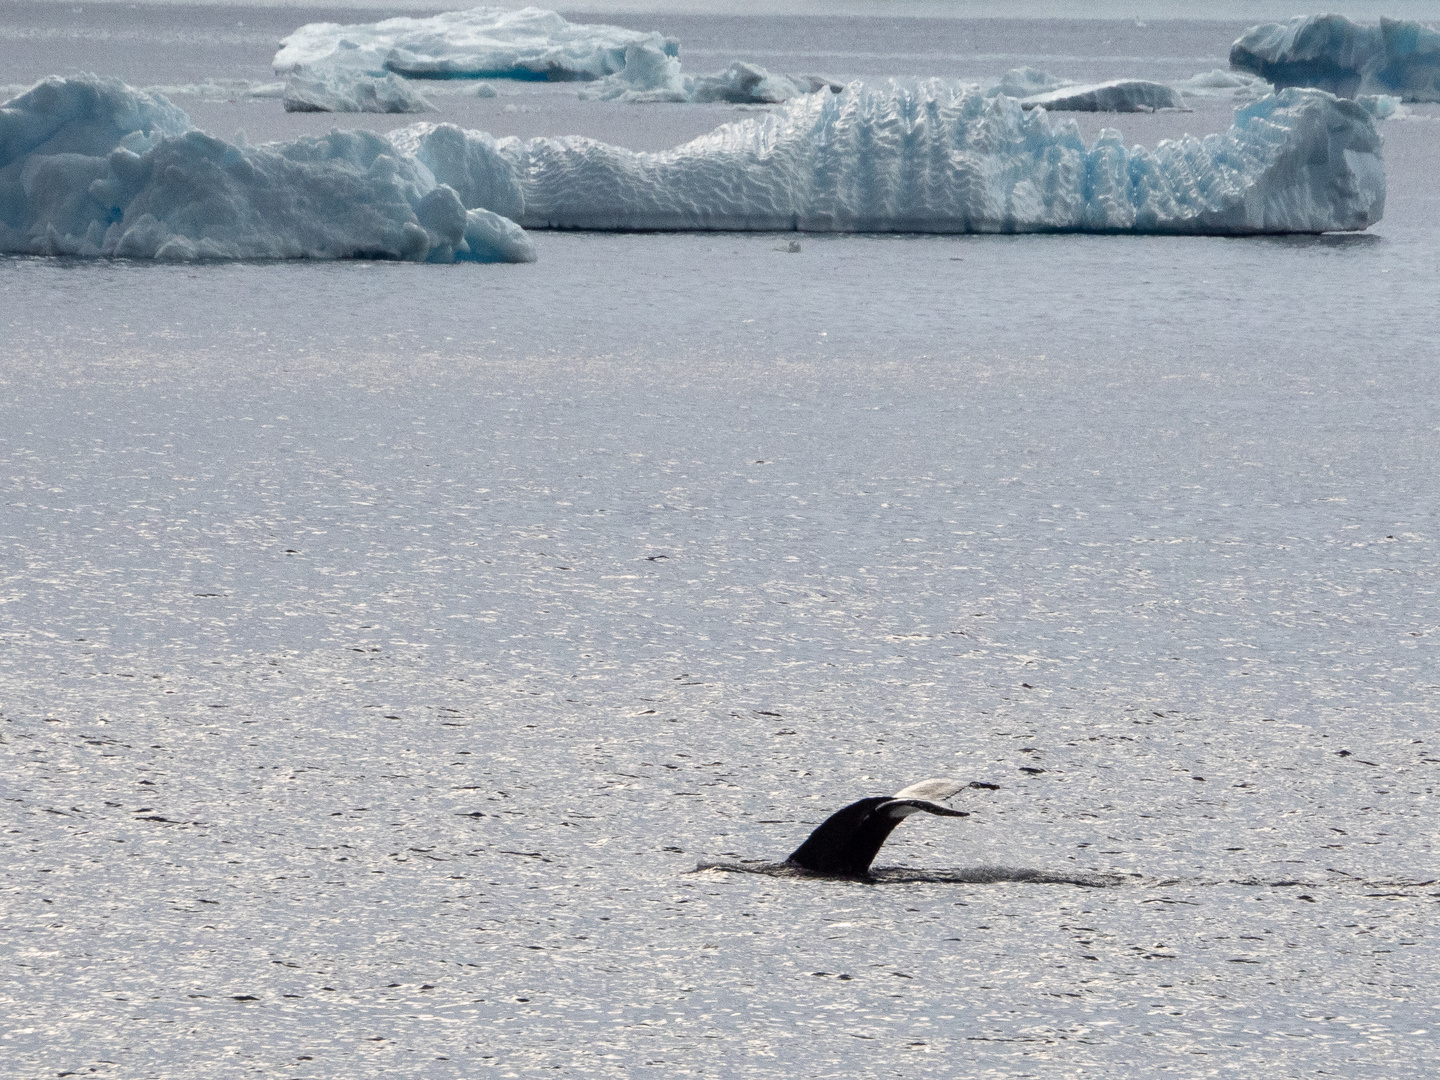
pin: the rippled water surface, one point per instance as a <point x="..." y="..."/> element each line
<point x="383" y="649"/>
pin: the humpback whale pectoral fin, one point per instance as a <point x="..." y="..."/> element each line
<point x="936" y="789"/>
<point x="897" y="809"/>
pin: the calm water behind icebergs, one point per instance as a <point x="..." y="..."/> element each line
<point x="384" y="646"/>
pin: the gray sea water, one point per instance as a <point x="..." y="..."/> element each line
<point x="382" y="647"/>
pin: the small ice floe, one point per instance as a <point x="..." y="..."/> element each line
<point x="1219" y="83"/>
<point x="1035" y="88"/>
<point x="329" y="89"/>
<point x="651" y="76"/>
<point x="1117" y="95"/>
<point x="1023" y="82"/>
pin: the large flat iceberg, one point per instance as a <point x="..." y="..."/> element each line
<point x="484" y="42"/>
<point x="938" y="157"/>
<point x="90" y="167"/>
<point x="1398" y="58"/>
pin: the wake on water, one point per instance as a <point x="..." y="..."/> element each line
<point x="904" y="875"/>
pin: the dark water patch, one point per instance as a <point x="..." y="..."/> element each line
<point x="904" y="875"/>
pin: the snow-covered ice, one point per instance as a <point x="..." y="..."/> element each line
<point x="328" y="62"/>
<point x="1117" y="95"/>
<point x="91" y="167"/>
<point x="332" y="89"/>
<point x="483" y="42"/>
<point x="1331" y="52"/>
<point x="935" y="157"/>
<point x="650" y="75"/>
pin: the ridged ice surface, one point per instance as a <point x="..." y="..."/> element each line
<point x="940" y="157"/>
<point x="332" y="89"/>
<point x="1116" y="95"/>
<point x="483" y="42"/>
<point x="90" y="167"/>
<point x="651" y="76"/>
<point x="1333" y="53"/>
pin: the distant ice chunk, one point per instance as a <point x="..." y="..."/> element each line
<point x="490" y="238"/>
<point x="331" y="89"/>
<point x="1118" y="95"/>
<point x="647" y="74"/>
<point x="1023" y="82"/>
<point x="90" y="167"/>
<point x="651" y="76"/>
<point x="940" y="157"/>
<point x="1380" y="106"/>
<point x="1219" y="83"/>
<point x="1332" y="53"/>
<point x="481" y="43"/>
<point x="750" y="84"/>
<point x="1034" y="87"/>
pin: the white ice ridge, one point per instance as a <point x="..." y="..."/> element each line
<point x="1397" y="58"/>
<point x="939" y="157"/>
<point x="484" y="42"/>
<point x="651" y="75"/>
<point x="331" y="89"/>
<point x="1218" y="83"/>
<point x="1036" y="88"/>
<point x="90" y="167"/>
<point x="1117" y="95"/>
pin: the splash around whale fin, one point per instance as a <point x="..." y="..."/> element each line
<point x="847" y="841"/>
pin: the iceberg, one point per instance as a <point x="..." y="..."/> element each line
<point x="482" y="43"/>
<point x="1216" y="83"/>
<point x="939" y="157"/>
<point x="1118" y="95"/>
<point x="1023" y="82"/>
<point x="650" y="76"/>
<point x="91" y="167"/>
<point x="1329" y="52"/>
<point x="1035" y="88"/>
<point x="331" y="89"/>
<point x="1381" y="106"/>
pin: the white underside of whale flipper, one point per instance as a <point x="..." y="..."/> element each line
<point x="903" y="808"/>
<point x="937" y="789"/>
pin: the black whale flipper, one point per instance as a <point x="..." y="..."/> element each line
<point x="847" y="841"/>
